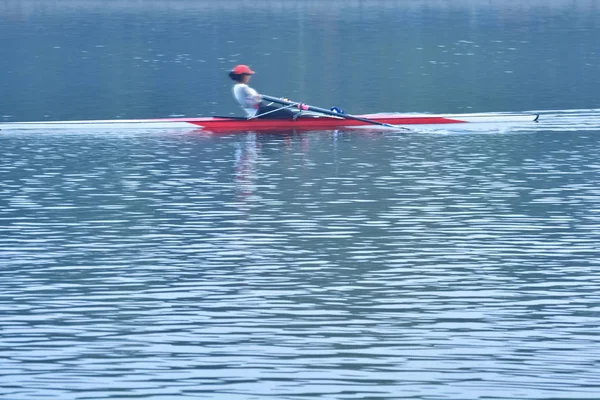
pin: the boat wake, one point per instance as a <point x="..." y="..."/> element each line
<point x="549" y="120"/>
<point x="569" y="120"/>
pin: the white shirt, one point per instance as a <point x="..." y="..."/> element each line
<point x="246" y="98"/>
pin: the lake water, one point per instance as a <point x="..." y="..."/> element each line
<point x="446" y="263"/>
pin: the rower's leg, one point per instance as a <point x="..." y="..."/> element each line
<point x="272" y="111"/>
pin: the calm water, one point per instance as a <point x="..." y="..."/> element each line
<point x="442" y="264"/>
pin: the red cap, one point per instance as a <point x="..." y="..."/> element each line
<point x="242" y="69"/>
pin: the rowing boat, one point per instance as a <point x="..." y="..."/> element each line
<point x="307" y="121"/>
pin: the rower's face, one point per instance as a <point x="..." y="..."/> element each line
<point x="247" y="78"/>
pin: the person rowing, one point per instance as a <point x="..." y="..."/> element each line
<point x="252" y="102"/>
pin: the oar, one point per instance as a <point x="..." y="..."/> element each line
<point x="325" y="111"/>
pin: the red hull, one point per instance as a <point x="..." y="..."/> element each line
<point x="310" y="123"/>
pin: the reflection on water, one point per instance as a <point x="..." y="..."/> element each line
<point x="332" y="264"/>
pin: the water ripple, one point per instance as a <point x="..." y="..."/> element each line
<point x="337" y="265"/>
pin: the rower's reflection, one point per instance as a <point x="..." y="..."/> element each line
<point x="249" y="152"/>
<point x="246" y="155"/>
<point x="288" y="153"/>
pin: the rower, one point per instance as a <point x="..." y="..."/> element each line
<point x="251" y="101"/>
